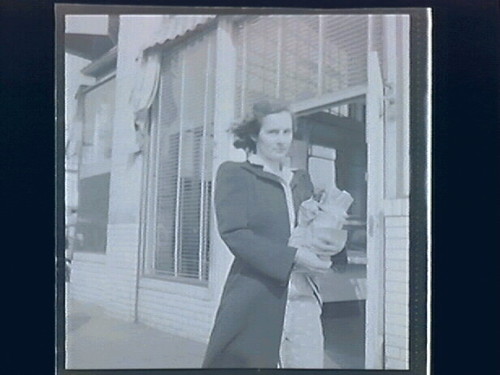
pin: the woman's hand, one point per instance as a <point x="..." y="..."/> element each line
<point x="307" y="260"/>
<point x="327" y="242"/>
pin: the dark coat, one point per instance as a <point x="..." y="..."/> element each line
<point x="253" y="221"/>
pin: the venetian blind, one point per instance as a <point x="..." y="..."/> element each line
<point x="298" y="57"/>
<point x="184" y="166"/>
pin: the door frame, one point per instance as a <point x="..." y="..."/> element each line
<point x="374" y="349"/>
<point x="339" y="97"/>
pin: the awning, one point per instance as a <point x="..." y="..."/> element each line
<point x="148" y="65"/>
<point x="174" y="26"/>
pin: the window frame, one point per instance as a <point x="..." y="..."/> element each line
<point x="99" y="167"/>
<point x="152" y="161"/>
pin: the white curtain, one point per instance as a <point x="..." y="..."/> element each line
<point x="144" y="93"/>
<point x="161" y="29"/>
<point x="156" y="32"/>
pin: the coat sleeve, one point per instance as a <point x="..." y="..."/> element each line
<point x="232" y="198"/>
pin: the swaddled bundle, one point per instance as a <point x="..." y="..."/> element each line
<point x="324" y="219"/>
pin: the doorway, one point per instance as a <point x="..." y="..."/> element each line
<point x="331" y="145"/>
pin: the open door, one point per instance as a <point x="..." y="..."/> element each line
<point x="330" y="144"/>
<point x="341" y="142"/>
<point x="374" y="346"/>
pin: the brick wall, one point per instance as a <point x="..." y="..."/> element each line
<point x="180" y="309"/>
<point x="397" y="289"/>
<point x="121" y="270"/>
<point x="109" y="280"/>
<point x="88" y="278"/>
<point x="395" y="49"/>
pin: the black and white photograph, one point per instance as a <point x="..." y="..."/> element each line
<point x="245" y="188"/>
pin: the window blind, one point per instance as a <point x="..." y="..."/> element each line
<point x="298" y="57"/>
<point x="184" y="162"/>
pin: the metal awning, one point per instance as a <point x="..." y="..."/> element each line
<point x="175" y="26"/>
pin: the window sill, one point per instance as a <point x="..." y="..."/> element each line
<point x="183" y="287"/>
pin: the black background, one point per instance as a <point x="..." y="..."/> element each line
<point x="465" y="178"/>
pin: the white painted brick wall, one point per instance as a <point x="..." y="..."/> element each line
<point x="398" y="248"/>
<point x="396" y="298"/>
<point x="396" y="341"/>
<point x="88" y="279"/>
<point x="397" y="308"/>
<point x="397" y="276"/>
<point x="396" y="353"/>
<point x="109" y="280"/>
<point x="184" y="315"/>
<point x="397" y="292"/>
<point x="397" y="319"/>
<point x="397" y="265"/>
<point x="395" y="286"/>
<point x="121" y="270"/>
<point x="395" y="364"/>
<point x="397" y="221"/>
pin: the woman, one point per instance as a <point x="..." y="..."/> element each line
<point x="256" y="204"/>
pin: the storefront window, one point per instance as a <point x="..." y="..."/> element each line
<point x="180" y="163"/>
<point x="307" y="56"/>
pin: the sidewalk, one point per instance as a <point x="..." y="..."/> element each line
<point x="95" y="340"/>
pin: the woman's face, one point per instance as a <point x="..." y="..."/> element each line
<point x="275" y="136"/>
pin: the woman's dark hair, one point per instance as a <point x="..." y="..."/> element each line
<point x="250" y="127"/>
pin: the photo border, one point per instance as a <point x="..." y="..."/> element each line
<point x="420" y="171"/>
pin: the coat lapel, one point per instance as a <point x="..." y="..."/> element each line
<point x="297" y="176"/>
<point x="259" y="171"/>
